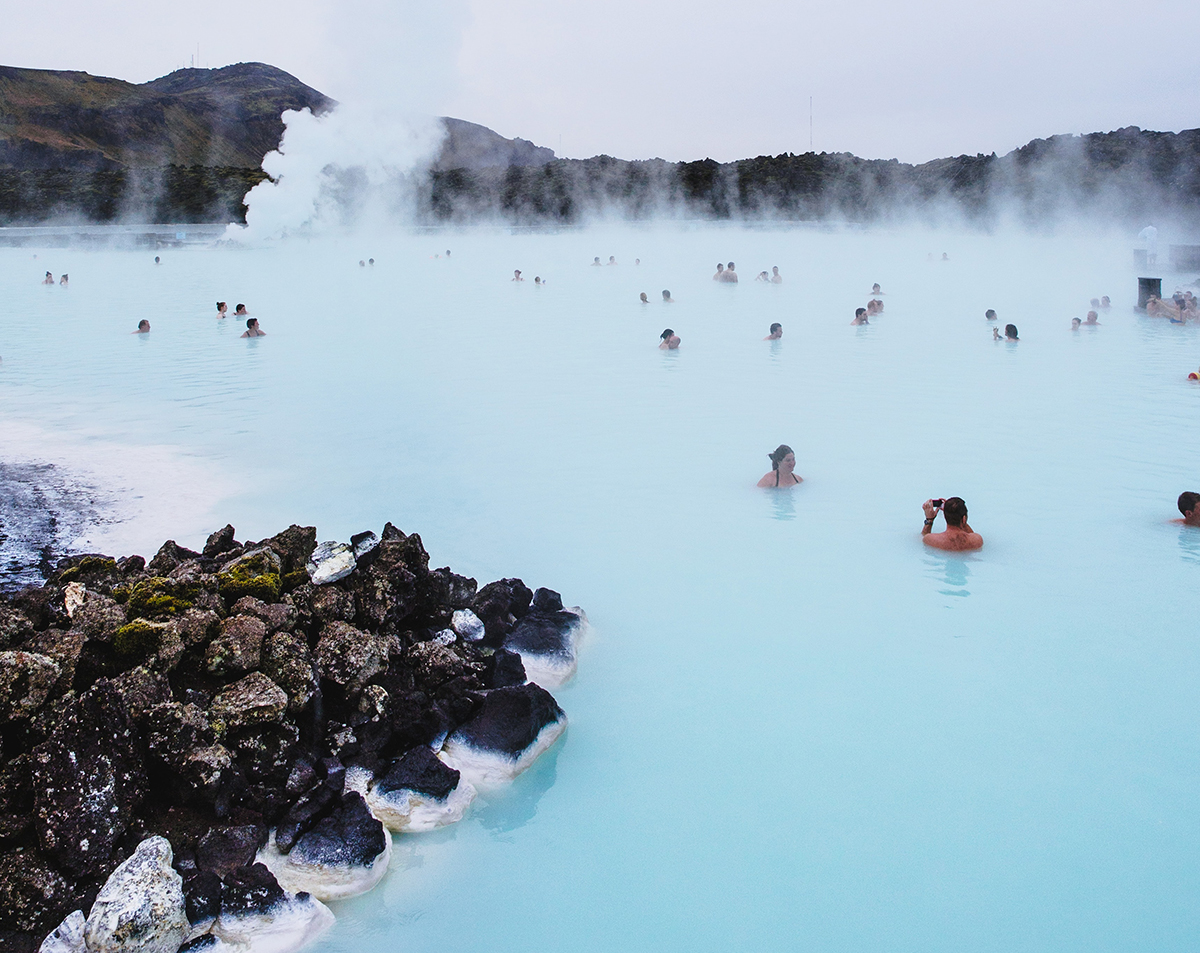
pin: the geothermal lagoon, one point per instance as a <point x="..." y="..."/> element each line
<point x="793" y="726"/>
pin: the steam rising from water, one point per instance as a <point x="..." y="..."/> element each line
<point x="393" y="64"/>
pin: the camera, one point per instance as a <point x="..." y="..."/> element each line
<point x="938" y="503"/>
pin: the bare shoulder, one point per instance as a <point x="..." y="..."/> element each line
<point x="768" y="479"/>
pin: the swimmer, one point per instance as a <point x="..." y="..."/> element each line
<point x="776" y="332"/>
<point x="537" y="280"/>
<point x="642" y="297"/>
<point x="143" y="327"/>
<point x="517" y="275"/>
<point x="670" y="340"/>
<point x="776" y="277"/>
<point x="1010" y="332"/>
<point x="63" y="281"/>
<point x="1189" y="506"/>
<point x="361" y="263"/>
<point x="241" y="312"/>
<point x="1095" y="302"/>
<point x="637" y="261"/>
<point x="1091" y="318"/>
<point x="958" y="535"/>
<point x="48" y="280"/>
<point x="596" y="261"/>
<point x="612" y="259"/>
<point x="860" y="316"/>
<point x="222" y="309"/>
<point x="730" y="274"/>
<point x="945" y="257"/>
<point x="783" y="463"/>
<point x="371" y="261"/>
<point x="874" y="306"/>
<point x="447" y="252"/>
<point x="252" y="329"/>
<point x="1104" y="302"/>
<point x="716" y="277"/>
<point x="1074" y="324"/>
<point x="989" y="314"/>
<point x="762" y="276"/>
<point x="157" y="260"/>
<point x="667" y="299"/>
<point x="875" y="289"/>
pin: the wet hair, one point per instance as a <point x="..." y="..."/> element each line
<point x="143" y="323"/>
<point x="1076" y="321"/>
<point x="666" y="334"/>
<point x="370" y="261"/>
<point x="666" y="294"/>
<point x="1188" y="502"/>
<point x="730" y="267"/>
<point x="955" y="511"/>
<point x="776" y="327"/>
<point x="221" y="304"/>
<point x="239" y="306"/>
<point x="990" y="314"/>
<point x="778" y="454"/>
<point x="642" y="297"/>
<point x="1010" y="331"/>
<point x="250" y="322"/>
<point x="859" y="312"/>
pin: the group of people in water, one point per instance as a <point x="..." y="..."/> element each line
<point x="1181" y="308"/>
<point x="49" y="280"/>
<point x="252" y="328"/>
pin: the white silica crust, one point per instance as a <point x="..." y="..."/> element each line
<point x="492" y="769"/>
<point x="411" y="812"/>
<point x="67" y="936"/>
<point x="288" y="927"/>
<point x="140" y="907"/>
<point x="330" y="562"/>
<point x="358" y="779"/>
<point x="551" y="671"/>
<point x="323" y="882"/>
<point x="467" y="624"/>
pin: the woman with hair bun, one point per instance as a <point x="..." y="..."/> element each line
<point x="782" y="472"/>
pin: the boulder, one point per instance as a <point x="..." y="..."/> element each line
<point x="64" y="648"/>
<point x="362" y="544"/>
<point x="255" y="573"/>
<point x="67" y="936"/>
<point x="330" y="562"/>
<point x="15" y="627"/>
<point x="88" y="777"/>
<point x="253" y="700"/>
<point x="512" y="728"/>
<point x="32" y="893"/>
<point x="169" y="555"/>
<point x="201" y="901"/>
<point x="275" y="616"/>
<point x="434" y="664"/>
<point x="173" y="731"/>
<point x="265" y="752"/>
<point x="419" y="793"/>
<point x="257" y="915"/>
<point x="499" y="604"/>
<point x="204" y="771"/>
<point x="73" y="597"/>
<point x="349" y="657"/>
<point x="547" y="640"/>
<point x="140" y="908"/>
<point x="306" y="811"/>
<point x="220" y="542"/>
<point x="503" y="668"/>
<point x="197" y="626"/>
<point x="344" y="854"/>
<point x="224" y="849"/>
<point x="467" y="625"/>
<point x="25" y="682"/>
<point x="238" y="647"/>
<point x="99" y="617"/>
<point x="287" y="661"/>
<point x="294" y="546"/>
<point x="446" y="588"/>
<point x="155" y="642"/>
<point x="159" y="597"/>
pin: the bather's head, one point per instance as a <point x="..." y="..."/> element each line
<point x="730" y="266"/>
<point x="1075" y="322"/>
<point x="1010" y="332"/>
<point x="667" y="334"/>
<point x="1189" y="506"/>
<point x="776" y="330"/>
<point x="642" y="297"/>
<point x="990" y="314"/>
<point x="783" y="457"/>
<point x="143" y="325"/>
<point x="252" y="324"/>
<point x="955" y="511"/>
<point x="666" y="295"/>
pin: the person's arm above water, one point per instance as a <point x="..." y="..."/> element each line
<point x="930" y="515"/>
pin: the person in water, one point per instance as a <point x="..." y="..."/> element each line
<point x="989" y="314"/>
<point x="762" y="276"/>
<point x="716" y="277"/>
<point x="642" y="297"/>
<point x="253" y="330"/>
<point x="776" y="332"/>
<point x="860" y="316"/>
<point x="1189" y="506"/>
<point x="63" y="281"/>
<point x="667" y="299"/>
<point x="143" y="327"/>
<point x="596" y="261"/>
<point x="371" y="261"/>
<point x="958" y="535"/>
<point x="612" y="259"/>
<point x="517" y="275"/>
<point x="361" y="263"/>
<point x="537" y="280"/>
<point x="783" y="465"/>
<point x="48" y="280"/>
<point x="1010" y="332"/>
<point x="776" y="277"/>
<point x="874" y="306"/>
<point x="670" y="340"/>
<point x="1075" y="322"/>
<point x="1104" y="302"/>
<point x="1091" y="318"/>
<point x="730" y="274"/>
<point x="241" y="312"/>
<point x="1095" y="302"/>
<point x="875" y="289"/>
<point x="222" y="309"/>
<point x="157" y="260"/>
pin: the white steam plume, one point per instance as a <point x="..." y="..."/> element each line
<point x="391" y="67"/>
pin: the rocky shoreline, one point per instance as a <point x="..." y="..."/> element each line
<point x="197" y="753"/>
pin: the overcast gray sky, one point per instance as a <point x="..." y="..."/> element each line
<point x="680" y="80"/>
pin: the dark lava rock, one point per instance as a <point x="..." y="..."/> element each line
<point x="349" y="836"/>
<point x="327" y="603"/>
<point x="224" y="849"/>
<point x="499" y="604"/>
<point x="197" y="626"/>
<point x="99" y="617"/>
<point x="510" y="719"/>
<point x="173" y="731"/>
<point x="419" y="770"/>
<point x="294" y="546"/>
<point x="88" y="778"/>
<point x="32" y="893"/>
<point x="545" y="633"/>
<point x="433" y="664"/>
<point x="305" y="813"/>
<point x="169" y="555"/>
<point x="275" y="616"/>
<point x="288" y="662"/>
<point x="220" y="542"/>
<point x="450" y="589"/>
<point x="250" y="890"/>
<point x="140" y="689"/>
<point x="15" y="627"/>
<point x="202" y="896"/>
<point x="65" y="648"/>
<point x="256" y="573"/>
<point x="546" y="600"/>
<point x="254" y="700"/>
<point x="350" y="657"/>
<point x="503" y="668"/>
<point x="238" y="648"/>
<point x="16" y="799"/>
<point x="265" y="752"/>
<point x="25" y="682"/>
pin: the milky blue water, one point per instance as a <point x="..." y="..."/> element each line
<point x="794" y="728"/>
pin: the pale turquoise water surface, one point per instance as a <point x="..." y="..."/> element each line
<point x="794" y="729"/>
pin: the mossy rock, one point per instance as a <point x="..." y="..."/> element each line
<point x="120" y="594"/>
<point x="294" y="580"/>
<point x="158" y="596"/>
<point x="88" y="565"/>
<point x="256" y="574"/>
<point x="141" y="637"/>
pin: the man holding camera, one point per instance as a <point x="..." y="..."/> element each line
<point x="958" y="535"/>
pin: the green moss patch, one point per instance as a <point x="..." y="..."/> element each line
<point x="141" y="637"/>
<point x="87" y="566"/>
<point x="157" y="596"/>
<point x="256" y="574"/>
